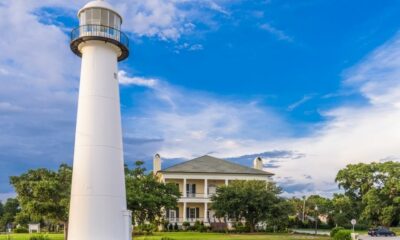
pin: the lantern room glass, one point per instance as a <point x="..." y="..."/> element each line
<point x="100" y="16"/>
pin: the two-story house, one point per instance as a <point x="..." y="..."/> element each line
<point x="198" y="180"/>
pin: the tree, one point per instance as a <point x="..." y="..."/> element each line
<point x="374" y="191"/>
<point x="279" y="215"/>
<point x="342" y="211"/>
<point x="10" y="210"/>
<point x="45" y="194"/>
<point x="252" y="201"/>
<point x="147" y="197"/>
<point x="1" y="214"/>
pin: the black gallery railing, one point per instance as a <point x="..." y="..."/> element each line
<point x="100" y="31"/>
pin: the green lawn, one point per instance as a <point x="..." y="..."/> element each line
<point x="220" y="236"/>
<point x="200" y="236"/>
<point x="26" y="237"/>
<point x="192" y="236"/>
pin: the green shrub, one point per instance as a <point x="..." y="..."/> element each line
<point x="343" y="235"/>
<point x="335" y="230"/>
<point x="39" y="237"/>
<point x="21" y="230"/>
<point x="186" y="225"/>
<point x="176" y="228"/>
<point x="147" y="228"/>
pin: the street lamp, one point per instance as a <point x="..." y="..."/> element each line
<point x="316" y="219"/>
<point x="304" y="207"/>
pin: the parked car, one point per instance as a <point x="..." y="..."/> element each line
<point x="381" y="231"/>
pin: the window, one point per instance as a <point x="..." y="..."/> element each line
<point x="212" y="189"/>
<point x="96" y="16"/>
<point x="82" y="18"/>
<point x="191" y="190"/>
<point x="111" y="20"/>
<point x="88" y="13"/>
<point x="192" y="213"/>
<point x="104" y="18"/>
<point x="172" y="215"/>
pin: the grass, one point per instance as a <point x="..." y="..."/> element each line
<point x="191" y="236"/>
<point x="25" y="236"/>
<point x="221" y="236"/>
<point x="200" y="236"/>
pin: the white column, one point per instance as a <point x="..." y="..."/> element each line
<point x="206" y="188"/>
<point x="184" y="188"/>
<point x="226" y="182"/>
<point x="184" y="211"/>
<point x="205" y="212"/>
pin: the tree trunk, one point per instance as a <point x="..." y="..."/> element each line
<point x="65" y="230"/>
<point x="252" y="226"/>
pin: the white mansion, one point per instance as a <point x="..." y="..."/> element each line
<point x="198" y="179"/>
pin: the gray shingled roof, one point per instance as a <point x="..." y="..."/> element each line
<point x="208" y="164"/>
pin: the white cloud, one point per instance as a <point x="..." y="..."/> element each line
<point x="281" y="35"/>
<point x="188" y="47"/>
<point x="295" y="105"/>
<point x="138" y="81"/>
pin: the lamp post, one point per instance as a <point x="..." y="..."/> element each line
<point x="316" y="219"/>
<point x="304" y="207"/>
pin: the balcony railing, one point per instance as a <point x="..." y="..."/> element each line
<point x="99" y="32"/>
<point x="192" y="220"/>
<point x="197" y="195"/>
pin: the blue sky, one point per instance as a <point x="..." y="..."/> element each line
<point x="309" y="85"/>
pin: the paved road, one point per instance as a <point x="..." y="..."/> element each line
<point x="310" y="231"/>
<point x="366" y="237"/>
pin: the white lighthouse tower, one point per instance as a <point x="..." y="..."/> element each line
<point x="98" y="208"/>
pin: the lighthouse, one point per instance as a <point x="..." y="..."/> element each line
<point x="98" y="209"/>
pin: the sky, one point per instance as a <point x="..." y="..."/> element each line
<point x="308" y="85"/>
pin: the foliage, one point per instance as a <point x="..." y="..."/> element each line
<point x="342" y="211"/>
<point x="45" y="194"/>
<point x="335" y="230"/>
<point x="307" y="206"/>
<point x="39" y="237"/>
<point x="279" y="215"/>
<point x="186" y="225"/>
<point x="21" y="230"/>
<point x="342" y="235"/>
<point x="253" y="201"/>
<point x="9" y="211"/>
<point x="373" y="190"/>
<point x="147" y="197"/>
<point x="147" y="228"/>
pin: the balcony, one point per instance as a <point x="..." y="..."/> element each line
<point x="90" y="32"/>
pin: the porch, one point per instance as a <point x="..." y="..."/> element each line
<point x="191" y="212"/>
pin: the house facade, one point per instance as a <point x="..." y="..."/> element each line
<point x="198" y="180"/>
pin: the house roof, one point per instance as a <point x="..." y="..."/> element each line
<point x="209" y="164"/>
